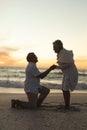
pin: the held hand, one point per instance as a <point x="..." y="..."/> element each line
<point x="53" y="67"/>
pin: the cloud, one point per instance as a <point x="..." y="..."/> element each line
<point x="12" y="56"/>
<point x="9" y="49"/>
<point x="6" y="52"/>
<point x="3" y="57"/>
<point x="6" y="56"/>
<point x="3" y="54"/>
<point x="7" y="60"/>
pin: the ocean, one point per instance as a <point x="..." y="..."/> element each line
<point x="12" y="78"/>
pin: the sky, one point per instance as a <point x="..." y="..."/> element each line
<point x="32" y="25"/>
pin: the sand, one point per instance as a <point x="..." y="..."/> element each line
<point x="45" y="118"/>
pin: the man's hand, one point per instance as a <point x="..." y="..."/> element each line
<point x="53" y="67"/>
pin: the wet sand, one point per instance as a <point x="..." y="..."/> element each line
<point x="47" y="117"/>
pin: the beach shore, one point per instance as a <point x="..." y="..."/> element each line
<point x="47" y="117"/>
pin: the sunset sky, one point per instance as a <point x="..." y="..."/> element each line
<point x="32" y="25"/>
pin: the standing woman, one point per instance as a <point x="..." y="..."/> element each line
<point x="70" y="73"/>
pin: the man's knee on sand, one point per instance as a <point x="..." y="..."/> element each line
<point x="44" y="90"/>
<point x="32" y="98"/>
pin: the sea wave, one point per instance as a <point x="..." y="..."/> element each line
<point x="13" y="77"/>
<point x="18" y="84"/>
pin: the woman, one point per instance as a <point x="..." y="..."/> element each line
<point x="70" y="73"/>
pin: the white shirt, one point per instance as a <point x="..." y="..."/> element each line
<point x="65" y="56"/>
<point x="70" y="74"/>
<point x="32" y="82"/>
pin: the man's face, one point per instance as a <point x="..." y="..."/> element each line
<point x="35" y="59"/>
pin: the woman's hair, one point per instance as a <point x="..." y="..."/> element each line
<point x="59" y="43"/>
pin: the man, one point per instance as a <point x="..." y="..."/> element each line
<point x="70" y="73"/>
<point x="32" y="85"/>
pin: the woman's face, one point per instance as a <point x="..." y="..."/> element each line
<point x="56" y="48"/>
